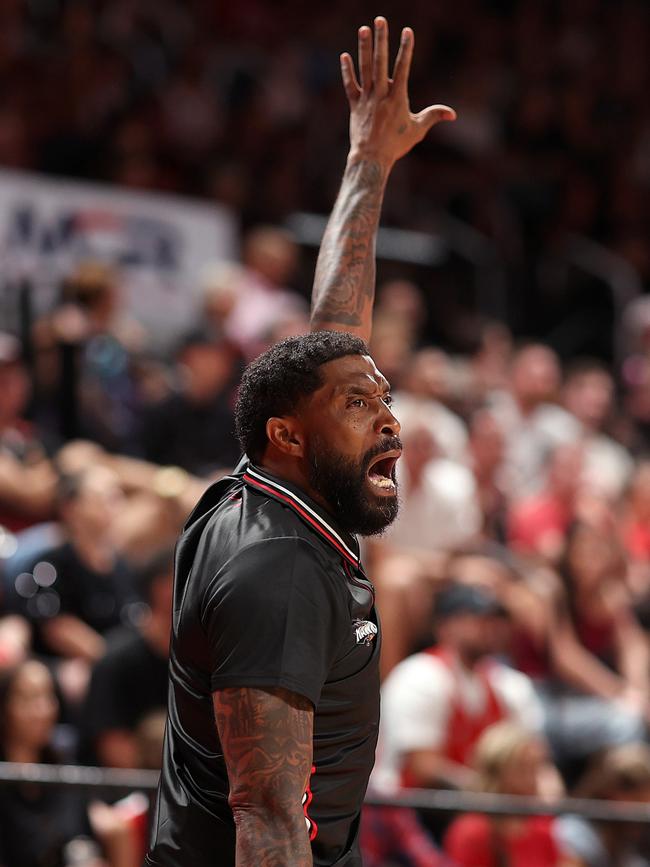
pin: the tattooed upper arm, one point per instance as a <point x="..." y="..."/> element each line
<point x="266" y="738"/>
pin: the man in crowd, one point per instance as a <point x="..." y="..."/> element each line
<point x="532" y="422"/>
<point x="275" y="634"/>
<point x="436" y="704"/>
<point x="193" y="427"/>
<point x="130" y="681"/>
<point x="77" y="591"/>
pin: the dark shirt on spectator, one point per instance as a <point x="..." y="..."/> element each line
<point x="197" y="437"/>
<point x="100" y="599"/>
<point x="36" y="823"/>
<point x="127" y="683"/>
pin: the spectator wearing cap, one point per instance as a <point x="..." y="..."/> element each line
<point x="193" y="428"/>
<point x="437" y="703"/>
<point x="129" y="683"/>
<point x="27" y="480"/>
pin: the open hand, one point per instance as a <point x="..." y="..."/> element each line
<point x="382" y="125"/>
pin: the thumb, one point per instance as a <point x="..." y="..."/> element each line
<point x="434" y="114"/>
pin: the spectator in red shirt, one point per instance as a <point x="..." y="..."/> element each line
<point x="537" y="524"/>
<point x="636" y="526"/>
<point x="509" y="760"/>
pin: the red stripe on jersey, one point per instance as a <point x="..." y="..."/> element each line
<point x="306" y="801"/>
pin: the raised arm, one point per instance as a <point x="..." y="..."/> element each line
<point x="382" y="129"/>
<point x="266" y="737"/>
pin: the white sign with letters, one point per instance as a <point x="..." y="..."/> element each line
<point x="159" y="242"/>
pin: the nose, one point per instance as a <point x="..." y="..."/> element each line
<point x="387" y="423"/>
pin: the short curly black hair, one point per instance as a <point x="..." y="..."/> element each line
<point x="274" y="383"/>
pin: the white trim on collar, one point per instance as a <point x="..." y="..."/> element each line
<point x="303" y="505"/>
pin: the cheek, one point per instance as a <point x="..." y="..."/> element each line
<point x="349" y="439"/>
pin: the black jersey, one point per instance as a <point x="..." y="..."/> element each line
<point x="268" y="592"/>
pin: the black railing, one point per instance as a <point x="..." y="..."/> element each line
<point x="434" y="800"/>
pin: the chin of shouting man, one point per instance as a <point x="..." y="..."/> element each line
<point x="274" y="695"/>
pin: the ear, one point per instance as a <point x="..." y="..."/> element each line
<point x="286" y="435"/>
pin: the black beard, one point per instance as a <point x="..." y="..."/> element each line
<point x="344" y="486"/>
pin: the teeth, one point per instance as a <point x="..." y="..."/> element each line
<point x="382" y="482"/>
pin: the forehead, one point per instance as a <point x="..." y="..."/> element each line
<point x="352" y="371"/>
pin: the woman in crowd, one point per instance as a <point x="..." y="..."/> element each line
<point x="620" y="774"/>
<point x="509" y="760"/>
<point x="42" y="826"/>
<point x="590" y="659"/>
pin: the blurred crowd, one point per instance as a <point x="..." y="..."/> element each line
<point x="514" y="588"/>
<point x="551" y="141"/>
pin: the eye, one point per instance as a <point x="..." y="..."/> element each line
<point x="358" y="402"/>
<point x="388" y="399"/>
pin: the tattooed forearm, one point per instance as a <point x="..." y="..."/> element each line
<point x="344" y="285"/>
<point x="266" y="737"/>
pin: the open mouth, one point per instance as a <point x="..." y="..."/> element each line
<point x="381" y="472"/>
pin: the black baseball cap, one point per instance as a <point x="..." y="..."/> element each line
<point x="466" y="599"/>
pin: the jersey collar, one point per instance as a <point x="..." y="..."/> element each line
<point x="311" y="513"/>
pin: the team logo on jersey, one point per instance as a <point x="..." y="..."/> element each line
<point x="365" y="631"/>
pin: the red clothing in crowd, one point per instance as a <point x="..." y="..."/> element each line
<point x="474" y="841"/>
<point x="388" y="832"/>
<point x="537" y="521"/>
<point x="636" y="538"/>
<point x="465" y="727"/>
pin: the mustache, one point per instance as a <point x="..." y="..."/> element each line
<point x="388" y="444"/>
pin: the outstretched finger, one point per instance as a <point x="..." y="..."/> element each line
<point x="432" y="115"/>
<point x="404" y="56"/>
<point x="365" y="58"/>
<point x="350" y="83"/>
<point x="380" y="60"/>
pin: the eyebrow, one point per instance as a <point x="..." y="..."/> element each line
<point x="364" y="387"/>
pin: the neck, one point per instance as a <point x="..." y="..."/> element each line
<point x="467" y="660"/>
<point x="483" y="473"/>
<point x="526" y="407"/>
<point x="295" y="473"/>
<point x="94" y="551"/>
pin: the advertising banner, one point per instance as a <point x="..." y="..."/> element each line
<point x="159" y="243"/>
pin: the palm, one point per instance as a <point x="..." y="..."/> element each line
<point x="381" y="121"/>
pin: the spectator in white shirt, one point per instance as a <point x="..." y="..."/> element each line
<point x="436" y="704"/>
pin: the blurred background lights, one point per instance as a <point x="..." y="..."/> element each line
<point x="25" y="585"/>
<point x="44" y="574"/>
<point x="8" y="544"/>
